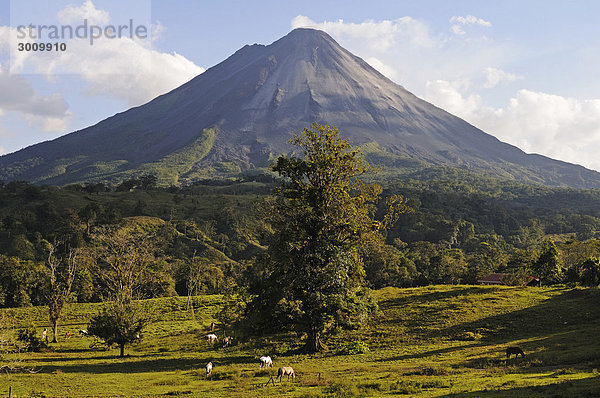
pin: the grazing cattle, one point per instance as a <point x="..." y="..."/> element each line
<point x="227" y="341"/>
<point x="83" y="332"/>
<point x="211" y="338"/>
<point x="286" y="371"/>
<point x="266" y="362"/>
<point x="514" y="350"/>
<point x="209" y="367"/>
<point x="68" y="335"/>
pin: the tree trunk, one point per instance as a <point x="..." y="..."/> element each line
<point x="122" y="348"/>
<point x="313" y="343"/>
<point x="190" y="304"/>
<point x="54" y="330"/>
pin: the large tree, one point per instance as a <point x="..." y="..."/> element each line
<point x="321" y="214"/>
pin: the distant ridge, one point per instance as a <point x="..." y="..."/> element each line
<point x="238" y="115"/>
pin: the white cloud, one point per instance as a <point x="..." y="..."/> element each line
<point x="454" y="73"/>
<point x="126" y="69"/>
<point x="47" y="112"/>
<point x="122" y="68"/>
<point x="9" y="36"/>
<point x="559" y="127"/>
<point x="73" y="14"/>
<point x="471" y="20"/>
<point x="457" y="30"/>
<point x="449" y="96"/>
<point x="410" y="52"/>
<point x="460" y="22"/>
<point x="381" y="36"/>
<point x="2" y="150"/>
<point x="156" y="30"/>
<point x="496" y="76"/>
<point x="50" y="124"/>
<point x="384" y="69"/>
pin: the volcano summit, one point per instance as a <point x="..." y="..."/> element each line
<point x="239" y="114"/>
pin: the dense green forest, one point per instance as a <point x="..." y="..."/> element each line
<point x="205" y="237"/>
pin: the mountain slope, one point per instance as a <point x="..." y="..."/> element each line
<point x="240" y="113"/>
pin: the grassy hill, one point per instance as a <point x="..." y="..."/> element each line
<point x="428" y="342"/>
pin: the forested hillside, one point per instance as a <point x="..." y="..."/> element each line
<point x="461" y="227"/>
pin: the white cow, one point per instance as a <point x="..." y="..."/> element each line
<point x="209" y="367"/>
<point x="266" y="362"/>
<point x="211" y="338"/>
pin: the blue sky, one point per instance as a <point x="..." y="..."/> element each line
<point x="524" y="71"/>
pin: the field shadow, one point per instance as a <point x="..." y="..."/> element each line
<point x="133" y="364"/>
<point x="562" y="312"/>
<point x="589" y="387"/>
<point x="430" y="353"/>
<point x="434" y="296"/>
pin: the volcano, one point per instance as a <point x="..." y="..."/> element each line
<point x="238" y="115"/>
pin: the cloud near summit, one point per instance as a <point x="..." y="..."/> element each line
<point x="467" y="73"/>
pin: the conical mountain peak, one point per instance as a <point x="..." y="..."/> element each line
<point x="307" y="40"/>
<point x="240" y="113"/>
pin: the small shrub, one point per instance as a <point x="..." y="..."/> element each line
<point x="376" y="386"/>
<point x="356" y="347"/>
<point x="28" y="337"/>
<point x="166" y="383"/>
<point x="435" y="371"/>
<point x="468" y="336"/>
<point x="343" y="390"/>
<point x="226" y="375"/>
<point x="567" y="371"/>
<point x="509" y="383"/>
<point x="405" y="387"/>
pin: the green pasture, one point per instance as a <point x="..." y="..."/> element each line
<point x="437" y="341"/>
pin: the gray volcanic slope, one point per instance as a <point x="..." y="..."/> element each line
<point x="241" y="112"/>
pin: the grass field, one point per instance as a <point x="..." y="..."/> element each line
<point x="428" y="342"/>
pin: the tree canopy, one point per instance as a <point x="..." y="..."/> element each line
<point x="321" y="214"/>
